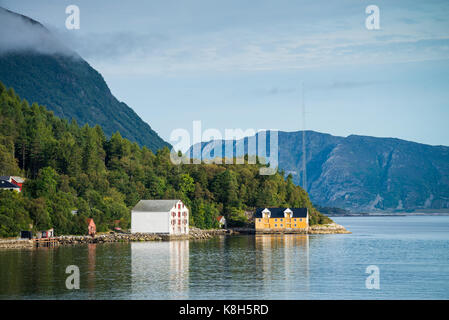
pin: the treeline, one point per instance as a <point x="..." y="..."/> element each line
<point x="74" y="173"/>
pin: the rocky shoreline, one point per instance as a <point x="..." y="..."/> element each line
<point x="194" y="234"/>
<point x="16" y="244"/>
<point x="332" y="228"/>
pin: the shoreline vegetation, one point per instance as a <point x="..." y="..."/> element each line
<point x="75" y="172"/>
<point x="194" y="234"/>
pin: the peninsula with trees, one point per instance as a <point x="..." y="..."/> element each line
<point x="74" y="173"/>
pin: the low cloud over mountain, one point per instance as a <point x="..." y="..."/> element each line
<point x="20" y="33"/>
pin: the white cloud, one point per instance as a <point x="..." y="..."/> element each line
<point x="406" y="34"/>
<point x="228" y="53"/>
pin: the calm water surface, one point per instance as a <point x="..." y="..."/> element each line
<point x="411" y="252"/>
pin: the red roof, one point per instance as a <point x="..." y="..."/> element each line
<point x="219" y="218"/>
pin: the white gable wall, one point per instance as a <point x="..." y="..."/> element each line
<point x="179" y="219"/>
<point x="150" y="222"/>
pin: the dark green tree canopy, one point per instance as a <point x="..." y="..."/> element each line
<point x="77" y="169"/>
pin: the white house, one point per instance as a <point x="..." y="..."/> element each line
<point x="160" y="216"/>
<point x="221" y="221"/>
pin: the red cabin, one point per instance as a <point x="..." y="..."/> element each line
<point x="48" y="233"/>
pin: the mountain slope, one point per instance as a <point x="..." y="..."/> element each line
<point x="50" y="74"/>
<point x="367" y="173"/>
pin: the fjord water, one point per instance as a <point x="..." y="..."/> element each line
<point x="412" y="254"/>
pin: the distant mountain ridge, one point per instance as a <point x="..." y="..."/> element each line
<point x="47" y="72"/>
<point x="361" y="173"/>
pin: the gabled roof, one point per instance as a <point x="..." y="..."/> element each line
<point x="155" y="205"/>
<point x="4" y="184"/>
<point x="219" y="218"/>
<point x="16" y="178"/>
<point x="279" y="212"/>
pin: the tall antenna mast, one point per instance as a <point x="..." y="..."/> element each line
<point x="304" y="158"/>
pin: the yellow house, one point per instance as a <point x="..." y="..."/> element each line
<point x="281" y="218"/>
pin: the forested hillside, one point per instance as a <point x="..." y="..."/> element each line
<point x="69" y="168"/>
<point x="61" y="80"/>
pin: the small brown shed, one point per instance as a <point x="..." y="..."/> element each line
<point x="91" y="227"/>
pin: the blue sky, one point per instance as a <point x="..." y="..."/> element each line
<point x="240" y="64"/>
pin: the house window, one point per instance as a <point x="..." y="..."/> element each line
<point x="300" y="220"/>
<point x="260" y="220"/>
<point x="281" y="225"/>
<point x="294" y="219"/>
<point x="276" y="225"/>
<point x="295" y="225"/>
<point x="275" y="219"/>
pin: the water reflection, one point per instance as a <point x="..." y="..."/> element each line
<point x="283" y="263"/>
<point x="244" y="267"/>
<point x="105" y="271"/>
<point x="225" y="267"/>
<point x="160" y="270"/>
<point x="228" y="269"/>
<point x="237" y="267"/>
<point x="91" y="255"/>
